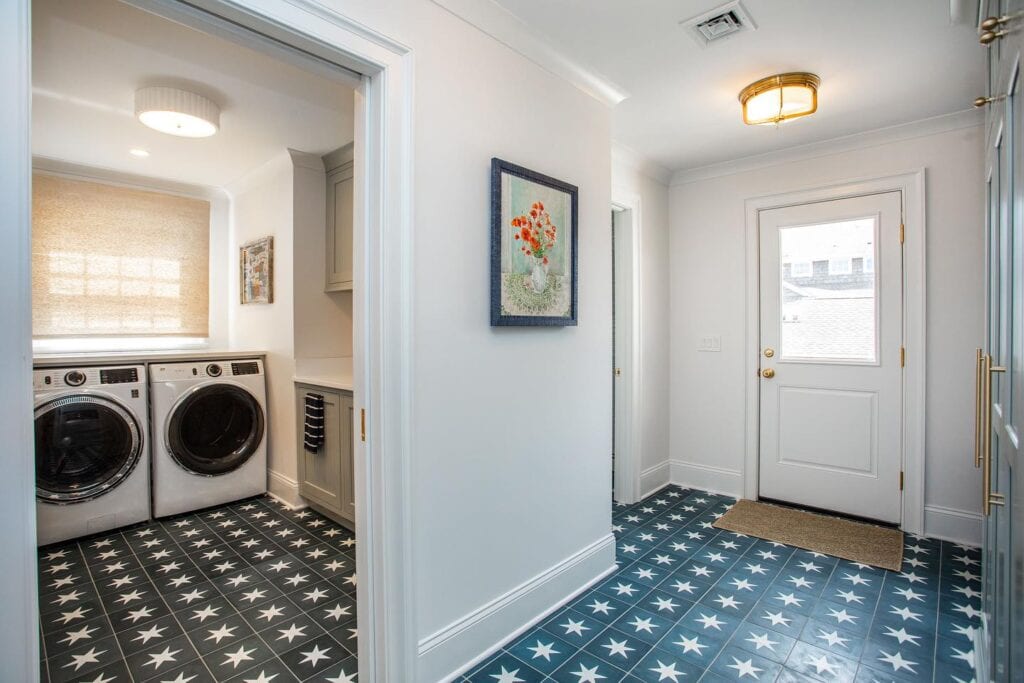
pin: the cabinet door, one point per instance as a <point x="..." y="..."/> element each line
<point x="347" y="449"/>
<point x="339" y="228"/>
<point x="320" y="472"/>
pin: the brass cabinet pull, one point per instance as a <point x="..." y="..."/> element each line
<point x="978" y="362"/>
<point x="988" y="499"/>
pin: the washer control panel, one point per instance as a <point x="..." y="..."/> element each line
<point x="52" y="379"/>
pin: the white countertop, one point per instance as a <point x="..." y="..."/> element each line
<point x="43" y="360"/>
<point x="330" y="373"/>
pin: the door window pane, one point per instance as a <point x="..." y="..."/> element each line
<point x="828" y="309"/>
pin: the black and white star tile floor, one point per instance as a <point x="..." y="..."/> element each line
<point x="250" y="591"/>
<point x="691" y="602"/>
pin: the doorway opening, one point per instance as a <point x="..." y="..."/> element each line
<point x="379" y="260"/>
<point x="625" y="353"/>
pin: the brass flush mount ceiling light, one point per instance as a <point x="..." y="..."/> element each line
<point x="779" y="98"/>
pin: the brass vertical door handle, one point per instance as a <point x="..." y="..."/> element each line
<point x="978" y="362"/>
<point x="988" y="499"/>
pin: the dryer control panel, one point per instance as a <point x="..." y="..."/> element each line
<point x="214" y="369"/>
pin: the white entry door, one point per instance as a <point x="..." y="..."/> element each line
<point x="831" y="418"/>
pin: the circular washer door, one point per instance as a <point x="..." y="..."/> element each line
<point x="215" y="429"/>
<point x="85" y="446"/>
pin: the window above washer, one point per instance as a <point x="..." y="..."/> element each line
<point x="116" y="266"/>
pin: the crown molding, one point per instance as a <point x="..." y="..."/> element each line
<point x="626" y="157"/>
<point x="514" y="33"/>
<point x="75" y="171"/>
<point x="967" y="118"/>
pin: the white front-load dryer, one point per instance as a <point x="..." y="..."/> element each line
<point x="91" y="450"/>
<point x="209" y="433"/>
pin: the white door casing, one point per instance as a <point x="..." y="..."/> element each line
<point x="831" y="313"/>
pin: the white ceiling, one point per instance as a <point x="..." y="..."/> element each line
<point x="89" y="57"/>
<point x="881" y="62"/>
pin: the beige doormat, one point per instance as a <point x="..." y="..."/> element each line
<point x="854" y="541"/>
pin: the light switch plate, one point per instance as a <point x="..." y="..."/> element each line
<point x="710" y="343"/>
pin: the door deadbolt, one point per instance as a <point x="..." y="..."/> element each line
<point x="769" y="352"/>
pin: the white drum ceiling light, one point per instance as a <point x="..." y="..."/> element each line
<point x="177" y="112"/>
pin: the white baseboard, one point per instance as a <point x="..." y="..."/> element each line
<point x="653" y="479"/>
<point x="950" y="524"/>
<point x="707" y="477"/>
<point x="466" y="642"/>
<point x="284" y="489"/>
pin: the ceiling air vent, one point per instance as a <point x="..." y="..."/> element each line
<point x="719" y="23"/>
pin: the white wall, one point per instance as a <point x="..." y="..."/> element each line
<point x="708" y="297"/>
<point x="261" y="204"/>
<point x="497" y="502"/>
<point x="631" y="181"/>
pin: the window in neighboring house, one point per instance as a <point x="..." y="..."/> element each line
<point x="117" y="262"/>
<point x="801" y="269"/>
<point x="868" y="264"/>
<point x="840" y="266"/>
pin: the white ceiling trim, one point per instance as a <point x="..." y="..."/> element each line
<point x="906" y="131"/>
<point x="68" y="169"/>
<point x="623" y="156"/>
<point x="514" y="33"/>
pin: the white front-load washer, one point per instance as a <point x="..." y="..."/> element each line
<point x="209" y="433"/>
<point x="91" y="449"/>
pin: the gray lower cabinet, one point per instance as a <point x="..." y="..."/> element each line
<point x="326" y="476"/>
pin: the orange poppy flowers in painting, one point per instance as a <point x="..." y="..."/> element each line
<point x="536" y="231"/>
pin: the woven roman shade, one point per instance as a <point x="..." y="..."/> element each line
<point x="113" y="261"/>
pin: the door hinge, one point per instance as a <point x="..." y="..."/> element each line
<point x="903" y="357"/>
<point x="362" y="424"/>
<point x="901" y="233"/>
<point x="901" y="480"/>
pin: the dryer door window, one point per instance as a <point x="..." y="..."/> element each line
<point x="215" y="429"/>
<point x="85" y="446"/>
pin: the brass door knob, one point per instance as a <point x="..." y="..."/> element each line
<point x="992" y="22"/>
<point x="767" y="373"/>
<point x="989" y="37"/>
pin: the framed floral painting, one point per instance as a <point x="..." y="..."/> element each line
<point x="533" y="247"/>
<point x="256" y="271"/>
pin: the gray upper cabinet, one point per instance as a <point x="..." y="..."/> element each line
<point x="338" y="165"/>
<point x="326" y="475"/>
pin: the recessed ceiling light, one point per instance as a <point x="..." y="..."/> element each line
<point x="177" y="112"/>
<point x="779" y="98"/>
<point x="138" y="152"/>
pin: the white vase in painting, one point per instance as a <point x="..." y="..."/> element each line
<point x="539" y="275"/>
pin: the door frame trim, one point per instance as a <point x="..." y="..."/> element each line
<point x="627" y="480"/>
<point x="911" y="185"/>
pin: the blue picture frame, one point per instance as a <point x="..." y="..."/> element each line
<point x="533" y="261"/>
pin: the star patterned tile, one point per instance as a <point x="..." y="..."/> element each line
<point x="250" y="592"/>
<point x="690" y="602"/>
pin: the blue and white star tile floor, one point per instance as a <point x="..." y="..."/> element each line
<point x="690" y="602"/>
<point x="248" y="592"/>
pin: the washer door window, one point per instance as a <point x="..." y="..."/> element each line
<point x="215" y="429"/>
<point x="85" y="446"/>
